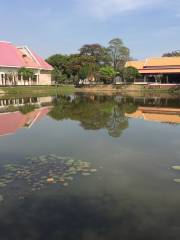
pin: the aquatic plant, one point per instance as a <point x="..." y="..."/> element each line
<point x="40" y="171"/>
<point x="176" y="168"/>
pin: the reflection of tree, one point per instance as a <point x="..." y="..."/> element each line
<point x="117" y="122"/>
<point x="93" y="112"/>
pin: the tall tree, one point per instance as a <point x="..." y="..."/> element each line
<point x="97" y="51"/>
<point x="118" y="52"/>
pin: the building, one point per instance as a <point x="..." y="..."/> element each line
<point x="13" y="58"/>
<point x="162" y="70"/>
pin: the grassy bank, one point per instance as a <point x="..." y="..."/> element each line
<point x="70" y="89"/>
<point x="37" y="90"/>
<point x="131" y="88"/>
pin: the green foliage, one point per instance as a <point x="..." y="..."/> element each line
<point x="130" y="73"/>
<point x="107" y="73"/>
<point x="97" y="51"/>
<point x="119" y="53"/>
<point x="27" y="108"/>
<point x="58" y="77"/>
<point x="84" y="72"/>
<point x="129" y="108"/>
<point x="58" y="61"/>
<point x="26" y="73"/>
<point x="90" y="59"/>
<point x="94" y="113"/>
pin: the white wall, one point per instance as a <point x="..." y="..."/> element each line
<point x="43" y="77"/>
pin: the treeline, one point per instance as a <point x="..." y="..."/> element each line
<point x="172" y="54"/>
<point x="93" y="62"/>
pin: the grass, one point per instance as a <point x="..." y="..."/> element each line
<point x="22" y="91"/>
<point x="38" y="90"/>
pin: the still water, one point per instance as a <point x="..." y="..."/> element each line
<point x="90" y="167"/>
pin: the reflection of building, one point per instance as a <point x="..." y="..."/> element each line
<point x="13" y="58"/>
<point x="164" y="115"/>
<point x="16" y="102"/>
<point x="10" y="122"/>
<point x="163" y="70"/>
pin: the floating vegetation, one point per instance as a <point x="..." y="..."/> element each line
<point x="177" y="180"/>
<point x="1" y="198"/>
<point x="176" y="168"/>
<point x="41" y="171"/>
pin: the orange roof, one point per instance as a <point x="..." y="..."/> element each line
<point x="162" y="61"/>
<point x="159" y="71"/>
<point x="136" y="64"/>
<point x="157" y="65"/>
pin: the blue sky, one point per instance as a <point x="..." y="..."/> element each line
<point x="148" y="27"/>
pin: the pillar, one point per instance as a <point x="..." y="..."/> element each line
<point x="167" y="79"/>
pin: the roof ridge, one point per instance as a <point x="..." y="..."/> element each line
<point x="32" y="55"/>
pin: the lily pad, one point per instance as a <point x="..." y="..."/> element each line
<point x="1" y="198"/>
<point x="176" y="168"/>
<point x="86" y="174"/>
<point x="65" y="184"/>
<point x="177" y="180"/>
<point x="41" y="171"/>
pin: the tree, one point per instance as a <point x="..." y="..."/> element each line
<point x="84" y="72"/>
<point x="97" y="51"/>
<point x="99" y="112"/>
<point x="118" y="52"/>
<point x="78" y="63"/>
<point x="172" y="54"/>
<point x="91" y="50"/>
<point x="58" y="61"/>
<point x="26" y="73"/>
<point x="107" y="73"/>
<point x="57" y="76"/>
<point x="130" y="73"/>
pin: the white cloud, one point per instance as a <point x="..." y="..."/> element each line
<point x="105" y="8"/>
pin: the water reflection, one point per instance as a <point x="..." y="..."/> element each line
<point x="112" y="112"/>
<point x="94" y="112"/>
<point x="132" y="195"/>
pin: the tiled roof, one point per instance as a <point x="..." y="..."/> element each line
<point x="12" y="56"/>
<point x="136" y="64"/>
<point x="159" y="70"/>
<point x="157" y="65"/>
<point x="163" y="61"/>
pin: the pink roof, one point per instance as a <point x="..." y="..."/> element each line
<point x="12" y="56"/>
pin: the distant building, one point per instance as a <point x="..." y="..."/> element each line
<point x="13" y="58"/>
<point x="163" y="70"/>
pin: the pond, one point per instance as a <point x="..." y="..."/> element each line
<point x="90" y="167"/>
